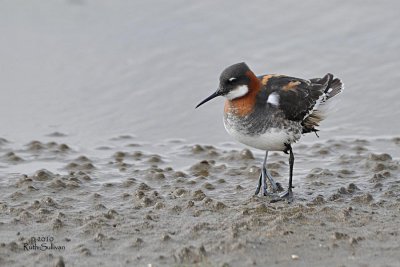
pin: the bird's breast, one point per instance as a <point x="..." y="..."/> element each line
<point x="260" y="132"/>
<point x="240" y="107"/>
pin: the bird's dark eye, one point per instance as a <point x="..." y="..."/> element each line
<point x="232" y="80"/>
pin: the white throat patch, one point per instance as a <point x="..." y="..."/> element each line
<point x="239" y="91"/>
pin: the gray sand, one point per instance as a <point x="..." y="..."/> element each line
<point x="127" y="173"/>
<point x="125" y="206"/>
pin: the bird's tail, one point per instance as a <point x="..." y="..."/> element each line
<point x="334" y="86"/>
<point x="331" y="87"/>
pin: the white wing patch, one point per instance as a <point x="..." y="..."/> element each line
<point x="273" y="99"/>
<point x="239" y="91"/>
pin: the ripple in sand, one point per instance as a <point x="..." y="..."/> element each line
<point x="43" y="175"/>
<point x="56" y="134"/>
<point x="122" y="137"/>
<point x="11" y="157"/>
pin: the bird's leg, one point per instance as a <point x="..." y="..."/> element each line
<point x="262" y="183"/>
<point x="288" y="194"/>
<point x="275" y="186"/>
<point x="259" y="184"/>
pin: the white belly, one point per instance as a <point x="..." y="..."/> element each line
<point x="272" y="140"/>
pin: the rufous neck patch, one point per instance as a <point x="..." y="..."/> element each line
<point x="244" y="105"/>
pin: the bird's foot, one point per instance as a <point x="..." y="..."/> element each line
<point x="257" y="190"/>
<point x="276" y="187"/>
<point x="264" y="191"/>
<point x="279" y="187"/>
<point x="286" y="195"/>
<point x="273" y="186"/>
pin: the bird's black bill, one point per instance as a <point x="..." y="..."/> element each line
<point x="214" y="95"/>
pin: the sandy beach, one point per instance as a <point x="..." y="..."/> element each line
<point x="105" y="162"/>
<point x="131" y="207"/>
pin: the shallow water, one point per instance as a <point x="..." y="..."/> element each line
<point x="93" y="69"/>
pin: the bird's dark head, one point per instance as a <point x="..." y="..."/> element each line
<point x="233" y="83"/>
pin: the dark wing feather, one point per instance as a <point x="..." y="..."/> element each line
<point x="297" y="97"/>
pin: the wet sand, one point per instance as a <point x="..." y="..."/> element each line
<point x="177" y="204"/>
<point x="96" y="96"/>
